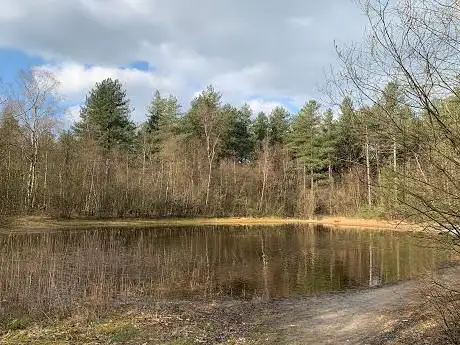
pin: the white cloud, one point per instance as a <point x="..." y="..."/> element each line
<point x="237" y="45"/>
<point x="75" y="78"/>
<point x="301" y="21"/>
<point x="75" y="81"/>
<point x="259" y="105"/>
<point x="244" y="81"/>
<point x="10" y="11"/>
<point x="72" y="114"/>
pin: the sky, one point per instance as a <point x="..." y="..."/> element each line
<point x="265" y="53"/>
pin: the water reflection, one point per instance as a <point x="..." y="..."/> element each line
<point x="71" y="267"/>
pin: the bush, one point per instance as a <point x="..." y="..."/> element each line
<point x="370" y="212"/>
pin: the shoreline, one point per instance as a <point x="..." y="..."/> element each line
<point x="41" y="223"/>
<point x="390" y="314"/>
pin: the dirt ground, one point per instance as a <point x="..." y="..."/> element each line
<point x="364" y="317"/>
<point x="397" y="314"/>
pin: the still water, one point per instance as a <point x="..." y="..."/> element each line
<point x="243" y="262"/>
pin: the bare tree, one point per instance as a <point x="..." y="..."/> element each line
<point x="210" y="123"/>
<point x="264" y="162"/>
<point x="415" y="43"/>
<point x="35" y="105"/>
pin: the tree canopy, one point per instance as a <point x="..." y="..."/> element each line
<point x="105" y="116"/>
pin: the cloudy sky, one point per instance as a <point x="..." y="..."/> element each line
<point x="263" y="52"/>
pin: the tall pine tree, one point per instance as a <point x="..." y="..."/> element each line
<point x="105" y="116"/>
<point x="238" y="141"/>
<point x="278" y="126"/>
<point x="260" y="128"/>
<point x="305" y="139"/>
<point x="162" y="117"/>
<point x="349" y="140"/>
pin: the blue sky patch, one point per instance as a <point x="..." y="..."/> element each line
<point x="141" y="65"/>
<point x="13" y="60"/>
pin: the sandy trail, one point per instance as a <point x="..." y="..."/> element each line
<point x="374" y="316"/>
<point x="354" y="318"/>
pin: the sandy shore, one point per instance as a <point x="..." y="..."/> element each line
<point x="35" y="223"/>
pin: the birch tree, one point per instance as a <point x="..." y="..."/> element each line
<point x="208" y="122"/>
<point x="35" y="103"/>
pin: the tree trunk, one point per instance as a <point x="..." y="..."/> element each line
<point x="379" y="175"/>
<point x="395" y="179"/>
<point x="211" y="148"/>
<point x="420" y="168"/>
<point x="208" y="184"/>
<point x="264" y="175"/>
<point x="90" y="192"/>
<point x="331" y="187"/>
<point x="368" y="172"/>
<point x="234" y="172"/>
<point x="127" y="183"/>
<point x="106" y="185"/>
<point x="312" y="193"/>
<point x="312" y="181"/>
<point x="31" y="183"/>
<point x="45" y="182"/>
<point x="304" y="178"/>
<point x="61" y="188"/>
<point x="8" y="179"/>
<point x="143" y="176"/>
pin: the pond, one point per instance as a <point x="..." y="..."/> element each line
<point x="65" y="269"/>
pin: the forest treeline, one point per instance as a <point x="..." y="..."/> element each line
<point x="391" y="147"/>
<point x="210" y="159"/>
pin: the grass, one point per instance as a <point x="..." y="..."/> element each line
<point x="370" y="212"/>
<point x="19" y="323"/>
<point x="179" y="325"/>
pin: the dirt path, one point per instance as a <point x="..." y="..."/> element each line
<point x="387" y="315"/>
<point x="349" y="318"/>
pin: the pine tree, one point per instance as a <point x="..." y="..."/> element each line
<point x="238" y="141"/>
<point x="328" y="144"/>
<point x="328" y="140"/>
<point x="154" y="112"/>
<point x="278" y="126"/>
<point x="205" y="116"/>
<point x="305" y="143"/>
<point x="305" y="139"/>
<point x="162" y="113"/>
<point x="348" y="147"/>
<point x="105" y="116"/>
<point x="162" y="118"/>
<point x="260" y="128"/>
